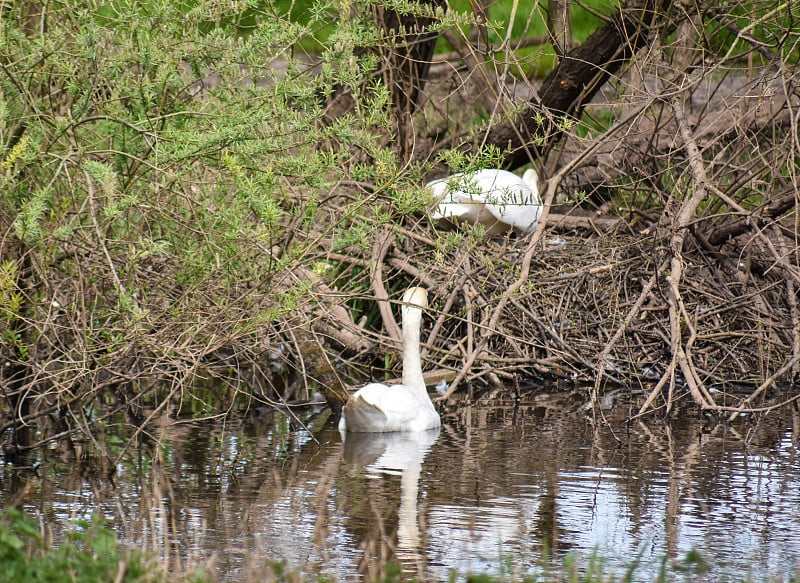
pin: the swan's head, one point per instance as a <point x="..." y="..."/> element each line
<point x="416" y="296"/>
<point x="531" y="178"/>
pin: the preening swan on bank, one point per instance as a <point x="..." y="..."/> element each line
<point x="378" y="408"/>
<point x="498" y="199"/>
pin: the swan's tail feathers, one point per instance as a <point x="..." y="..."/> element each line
<point x="361" y="415"/>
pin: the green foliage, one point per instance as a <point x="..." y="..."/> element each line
<point x="694" y="562"/>
<point x="15" y="154"/>
<point x="595" y="123"/>
<point x="487" y="157"/>
<point x="769" y="24"/>
<point x="528" y="61"/>
<point x="32" y="214"/>
<point x="11" y="304"/>
<point x="89" y="554"/>
<point x="165" y="162"/>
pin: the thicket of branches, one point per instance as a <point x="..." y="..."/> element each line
<point x="683" y="119"/>
<point x="219" y="205"/>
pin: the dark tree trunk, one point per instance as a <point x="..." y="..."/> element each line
<point x="409" y="54"/>
<point x="407" y="60"/>
<point x="404" y="59"/>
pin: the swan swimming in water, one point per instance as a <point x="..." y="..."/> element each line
<point x="498" y="199"/>
<point x="378" y="408"/>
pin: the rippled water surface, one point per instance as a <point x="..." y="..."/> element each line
<point x="497" y="489"/>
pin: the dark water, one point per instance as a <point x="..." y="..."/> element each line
<point x="500" y="487"/>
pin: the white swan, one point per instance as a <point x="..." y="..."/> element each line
<point x="498" y="199"/>
<point x="378" y="408"/>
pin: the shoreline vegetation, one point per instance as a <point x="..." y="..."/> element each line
<point x="205" y="208"/>
<point x="90" y="553"/>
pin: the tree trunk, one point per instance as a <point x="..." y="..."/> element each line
<point x="407" y="61"/>
<point x="404" y="59"/>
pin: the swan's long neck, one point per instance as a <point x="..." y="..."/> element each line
<point x="412" y="363"/>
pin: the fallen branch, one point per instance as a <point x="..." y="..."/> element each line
<point x="383" y="240"/>
<point x="678" y="315"/>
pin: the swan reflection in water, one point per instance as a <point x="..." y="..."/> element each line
<point x="392" y="454"/>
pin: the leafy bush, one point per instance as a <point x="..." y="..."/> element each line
<point x="172" y="182"/>
<point x="89" y="554"/>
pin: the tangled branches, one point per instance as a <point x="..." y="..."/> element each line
<point x="178" y="237"/>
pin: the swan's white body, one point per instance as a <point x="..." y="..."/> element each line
<point x="498" y="199"/>
<point x="378" y="408"/>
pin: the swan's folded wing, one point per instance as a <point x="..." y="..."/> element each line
<point x="523" y="218"/>
<point x="516" y="205"/>
<point x="458" y="206"/>
<point x="459" y="199"/>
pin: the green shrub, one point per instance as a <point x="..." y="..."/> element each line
<point x="89" y="554"/>
<point x="169" y="167"/>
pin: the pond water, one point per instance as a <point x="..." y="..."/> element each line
<point x="503" y="488"/>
